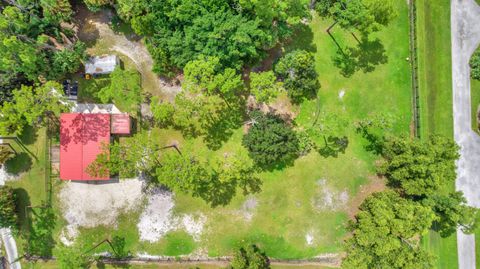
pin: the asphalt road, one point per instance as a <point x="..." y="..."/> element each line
<point x="465" y="19"/>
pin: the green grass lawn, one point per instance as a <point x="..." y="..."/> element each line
<point x="475" y="95"/>
<point x="286" y="210"/>
<point x="435" y="83"/>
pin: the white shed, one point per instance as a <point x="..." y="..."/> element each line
<point x="100" y="65"/>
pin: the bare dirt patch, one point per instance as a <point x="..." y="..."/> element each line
<point x="90" y="205"/>
<point x="158" y="218"/>
<point x="328" y="198"/>
<point x="376" y="184"/>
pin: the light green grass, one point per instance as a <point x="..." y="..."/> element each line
<point x="435" y="83"/>
<point x="475" y="102"/>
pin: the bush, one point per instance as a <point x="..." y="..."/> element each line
<point x="270" y="140"/>
<point x="8" y="217"/>
<point x="297" y="71"/>
<point x="475" y="65"/>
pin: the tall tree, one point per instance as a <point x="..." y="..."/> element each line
<point x="124" y="89"/>
<point x="29" y="104"/>
<point x="366" y="16"/>
<point x="270" y="141"/>
<point x="179" y="31"/>
<point x="72" y="257"/>
<point x="420" y="168"/>
<point x="297" y="71"/>
<point x="386" y="232"/>
<point x="264" y="86"/>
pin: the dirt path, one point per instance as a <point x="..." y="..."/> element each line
<point x="95" y="28"/>
<point x="465" y="39"/>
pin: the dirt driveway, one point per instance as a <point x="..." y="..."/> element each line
<point x="95" y="29"/>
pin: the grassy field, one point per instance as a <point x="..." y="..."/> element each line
<point x="287" y="207"/>
<point x="435" y="84"/>
<point x="475" y="94"/>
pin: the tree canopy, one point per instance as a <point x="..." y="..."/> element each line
<point x="264" y="86"/>
<point x="420" y="168"/>
<point x="297" y="71"/>
<point x="8" y="215"/>
<point x="34" y="47"/>
<point x="29" y="104"/>
<point x="270" y="141"/>
<point x="365" y="16"/>
<point x="249" y="257"/>
<point x="385" y="234"/>
<point x="215" y="182"/>
<point x="179" y="31"/>
<point x="124" y="89"/>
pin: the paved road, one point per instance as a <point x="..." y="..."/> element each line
<point x="465" y="17"/>
<point x="6" y="235"/>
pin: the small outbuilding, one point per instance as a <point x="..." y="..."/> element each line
<point x="101" y="65"/>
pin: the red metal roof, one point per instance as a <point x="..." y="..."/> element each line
<point x="120" y="124"/>
<point x="81" y="140"/>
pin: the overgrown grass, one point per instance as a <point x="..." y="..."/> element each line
<point x="435" y="82"/>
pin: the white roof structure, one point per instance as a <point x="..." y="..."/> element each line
<point x="96" y="109"/>
<point x="100" y="65"/>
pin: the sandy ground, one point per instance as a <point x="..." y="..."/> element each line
<point x="158" y="218"/>
<point x="328" y="198"/>
<point x="465" y="39"/>
<point x="91" y="205"/>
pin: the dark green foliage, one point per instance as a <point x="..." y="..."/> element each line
<point x="475" y="65"/>
<point x="31" y="38"/>
<point x="118" y="244"/>
<point x="8" y="216"/>
<point x="68" y="61"/>
<point x="364" y="15"/>
<point x="270" y="141"/>
<point x="420" y="168"/>
<point x="385" y="234"/>
<point x="297" y="71"/>
<point x="452" y="212"/>
<point x="39" y="241"/>
<point x="250" y="257"/>
<point x="179" y="31"/>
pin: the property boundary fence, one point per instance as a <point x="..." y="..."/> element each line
<point x="332" y="260"/>
<point x="48" y="167"/>
<point x="412" y="11"/>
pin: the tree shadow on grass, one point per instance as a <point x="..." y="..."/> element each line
<point x="22" y="200"/>
<point x="28" y="136"/>
<point x="22" y="162"/>
<point x="333" y="146"/>
<point x="366" y="56"/>
<point x="302" y="39"/>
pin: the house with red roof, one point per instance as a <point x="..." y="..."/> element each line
<point x="83" y="136"/>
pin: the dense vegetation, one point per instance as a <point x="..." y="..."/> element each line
<point x="35" y="48"/>
<point x="8" y="215"/>
<point x="475" y="65"/>
<point x="237" y="32"/>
